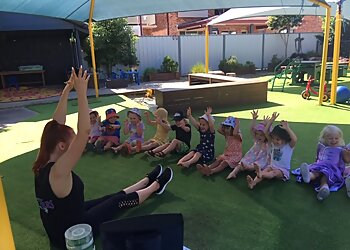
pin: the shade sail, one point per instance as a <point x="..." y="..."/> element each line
<point x="108" y="9"/>
<point x="267" y="11"/>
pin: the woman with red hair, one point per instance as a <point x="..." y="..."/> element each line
<point x="60" y="192"/>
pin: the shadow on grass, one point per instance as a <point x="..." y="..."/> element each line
<point x="45" y="111"/>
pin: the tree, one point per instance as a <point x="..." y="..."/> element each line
<point x="283" y="25"/>
<point x="345" y="35"/>
<point x="114" y="44"/>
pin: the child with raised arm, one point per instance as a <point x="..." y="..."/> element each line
<point x="258" y="153"/>
<point x="327" y="171"/>
<point x="204" y="151"/>
<point x="162" y="129"/>
<point x="134" y="127"/>
<point x="110" y="132"/>
<point x="282" y="141"/>
<point x="181" y="143"/>
<point x="233" y="149"/>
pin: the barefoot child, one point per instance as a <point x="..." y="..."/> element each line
<point x="282" y="141"/>
<point x="233" y="149"/>
<point x="329" y="167"/>
<point x="204" y="152"/>
<point x="258" y="153"/>
<point x="181" y="143"/>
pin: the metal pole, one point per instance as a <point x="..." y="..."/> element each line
<point x="92" y="47"/>
<point x="206" y="49"/>
<point x="336" y="51"/>
<point x="6" y="237"/>
<point x="324" y="56"/>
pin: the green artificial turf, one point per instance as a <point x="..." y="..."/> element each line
<point x="218" y="214"/>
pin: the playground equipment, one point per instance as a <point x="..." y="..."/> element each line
<point x="343" y="94"/>
<point x="307" y="92"/>
<point x="297" y="70"/>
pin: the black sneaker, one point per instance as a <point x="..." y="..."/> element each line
<point x="152" y="176"/>
<point x="90" y="147"/>
<point x="99" y="147"/>
<point x="164" y="179"/>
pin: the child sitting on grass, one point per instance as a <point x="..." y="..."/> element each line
<point x="110" y="132"/>
<point x="327" y="172"/>
<point x="134" y="127"/>
<point x="282" y="141"/>
<point x="181" y="143"/>
<point x="258" y="153"/>
<point x="204" y="151"/>
<point x="233" y="149"/>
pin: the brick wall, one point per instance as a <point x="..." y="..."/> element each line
<point x="310" y="24"/>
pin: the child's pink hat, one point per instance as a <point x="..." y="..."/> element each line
<point x="259" y="127"/>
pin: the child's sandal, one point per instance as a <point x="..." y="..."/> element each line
<point x="150" y="153"/>
<point x="160" y="155"/>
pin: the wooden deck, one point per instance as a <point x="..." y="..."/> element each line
<point x="226" y="94"/>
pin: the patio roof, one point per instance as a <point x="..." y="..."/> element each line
<point x="109" y="9"/>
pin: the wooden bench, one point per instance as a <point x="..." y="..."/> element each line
<point x="22" y="72"/>
<point x="249" y="91"/>
<point x="202" y="78"/>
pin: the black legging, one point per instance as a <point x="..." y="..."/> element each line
<point x="103" y="209"/>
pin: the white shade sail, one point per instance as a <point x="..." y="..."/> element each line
<point x="109" y="9"/>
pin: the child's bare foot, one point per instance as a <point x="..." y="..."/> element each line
<point x="138" y="146"/>
<point x="234" y="172"/>
<point x="185" y="164"/>
<point x="250" y="182"/>
<point x="257" y="170"/>
<point x="201" y="169"/>
<point x="207" y="170"/>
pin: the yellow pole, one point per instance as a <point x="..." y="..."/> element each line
<point x="92" y="5"/>
<point x="206" y="49"/>
<point x="336" y="55"/>
<point x="6" y="238"/>
<point x="324" y="55"/>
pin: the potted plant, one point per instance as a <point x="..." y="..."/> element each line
<point x="168" y="71"/>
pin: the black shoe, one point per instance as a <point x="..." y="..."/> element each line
<point x="90" y="147"/>
<point x="99" y="147"/>
<point x="164" y="179"/>
<point x="152" y="176"/>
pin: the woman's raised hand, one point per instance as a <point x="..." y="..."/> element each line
<point x="70" y="83"/>
<point x="80" y="80"/>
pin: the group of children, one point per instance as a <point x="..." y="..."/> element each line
<point x="269" y="157"/>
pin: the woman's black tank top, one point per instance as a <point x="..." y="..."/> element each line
<point x="58" y="214"/>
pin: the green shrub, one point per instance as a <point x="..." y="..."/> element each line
<point x="232" y="65"/>
<point x="274" y="62"/>
<point x="198" y="68"/>
<point x="229" y="65"/>
<point x="146" y="73"/>
<point x="169" y="65"/>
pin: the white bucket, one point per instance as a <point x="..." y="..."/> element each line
<point x="79" y="237"/>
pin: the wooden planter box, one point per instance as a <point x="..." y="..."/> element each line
<point x="164" y="76"/>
